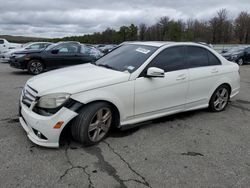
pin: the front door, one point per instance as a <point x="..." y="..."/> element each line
<point x="161" y="95"/>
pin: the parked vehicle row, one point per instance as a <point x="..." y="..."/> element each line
<point x="5" y="45"/>
<point x="136" y="82"/>
<point x="106" y="48"/>
<point x="239" y="54"/>
<point x="5" y="56"/>
<point x="54" y="56"/>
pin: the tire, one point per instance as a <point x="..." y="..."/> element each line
<point x="99" y="115"/>
<point x="35" y="67"/>
<point x="240" y="62"/>
<point x="219" y="99"/>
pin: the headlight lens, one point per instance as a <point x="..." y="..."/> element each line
<point x="18" y="55"/>
<point x="53" y="100"/>
<point x="234" y="56"/>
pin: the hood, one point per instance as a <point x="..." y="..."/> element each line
<point x="76" y="79"/>
<point x="232" y="53"/>
<point x="28" y="51"/>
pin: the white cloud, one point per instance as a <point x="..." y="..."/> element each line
<point x="59" y="18"/>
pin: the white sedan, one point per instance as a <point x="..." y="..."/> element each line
<point x="136" y="82"/>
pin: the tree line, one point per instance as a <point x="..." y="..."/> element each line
<point x="218" y="29"/>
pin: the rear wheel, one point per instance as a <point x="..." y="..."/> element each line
<point x="35" y="67"/>
<point x="92" y="124"/>
<point x="220" y="98"/>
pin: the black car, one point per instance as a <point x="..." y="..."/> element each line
<point x="55" y="56"/>
<point x="240" y="54"/>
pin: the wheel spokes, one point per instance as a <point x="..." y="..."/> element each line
<point x="93" y="126"/>
<point x="100" y="124"/>
<point x="106" y="116"/>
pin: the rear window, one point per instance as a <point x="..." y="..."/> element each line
<point x="197" y="57"/>
<point x="212" y="59"/>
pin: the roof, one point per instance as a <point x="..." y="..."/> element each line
<point x="162" y="43"/>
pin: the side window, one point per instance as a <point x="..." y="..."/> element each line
<point x="197" y="57"/>
<point x="67" y="48"/>
<point x="170" y="59"/>
<point x="85" y="50"/>
<point x="213" y="60"/>
<point x="34" y="46"/>
<point x="1" y="41"/>
<point x="42" y="45"/>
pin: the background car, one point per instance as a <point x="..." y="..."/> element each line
<point x="5" y="57"/>
<point x="55" y="56"/>
<point x="105" y="48"/>
<point x="6" y="45"/>
<point x="240" y="54"/>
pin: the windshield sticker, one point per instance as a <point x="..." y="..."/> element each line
<point x="142" y="50"/>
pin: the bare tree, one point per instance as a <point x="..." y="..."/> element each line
<point x="242" y="27"/>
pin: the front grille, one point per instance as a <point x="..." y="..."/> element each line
<point x="29" y="95"/>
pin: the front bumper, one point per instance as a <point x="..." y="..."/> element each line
<point x="32" y="122"/>
<point x="18" y="63"/>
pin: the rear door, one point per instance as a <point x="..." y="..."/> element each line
<point x="204" y="69"/>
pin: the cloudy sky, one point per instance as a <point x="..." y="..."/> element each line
<point x="58" y="18"/>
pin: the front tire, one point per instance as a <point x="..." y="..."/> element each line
<point x="92" y="124"/>
<point x="240" y="62"/>
<point x="219" y="99"/>
<point x="35" y="67"/>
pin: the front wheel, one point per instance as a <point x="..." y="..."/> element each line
<point x="35" y="67"/>
<point x="219" y="99"/>
<point x="240" y="62"/>
<point x="92" y="124"/>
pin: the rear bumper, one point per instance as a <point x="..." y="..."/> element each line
<point x="33" y="123"/>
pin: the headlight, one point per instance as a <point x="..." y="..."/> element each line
<point x="53" y="100"/>
<point x="18" y="55"/>
<point x="234" y="56"/>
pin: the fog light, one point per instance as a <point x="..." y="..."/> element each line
<point x="39" y="135"/>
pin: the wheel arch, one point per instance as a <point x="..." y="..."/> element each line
<point x="219" y="85"/>
<point x="39" y="59"/>
<point x="66" y="128"/>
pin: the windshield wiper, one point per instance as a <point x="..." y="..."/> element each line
<point x="106" y="66"/>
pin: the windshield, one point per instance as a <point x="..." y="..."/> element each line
<point x="128" y="57"/>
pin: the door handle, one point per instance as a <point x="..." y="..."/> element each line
<point x="181" y="77"/>
<point x="214" y="70"/>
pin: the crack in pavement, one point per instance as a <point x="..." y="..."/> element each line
<point x="10" y="120"/>
<point x="84" y="168"/>
<point x="240" y="107"/>
<point x="104" y="166"/>
<point x="144" y="182"/>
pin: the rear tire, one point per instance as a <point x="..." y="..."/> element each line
<point x="35" y="67"/>
<point x="92" y="124"/>
<point x="219" y="99"/>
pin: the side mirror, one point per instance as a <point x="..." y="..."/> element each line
<point x="155" y="72"/>
<point x="55" y="51"/>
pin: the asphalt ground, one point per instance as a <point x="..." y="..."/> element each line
<point x="193" y="149"/>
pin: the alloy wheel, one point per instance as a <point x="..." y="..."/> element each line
<point x="100" y="124"/>
<point x="36" y="67"/>
<point x="221" y="99"/>
<point x="240" y="62"/>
